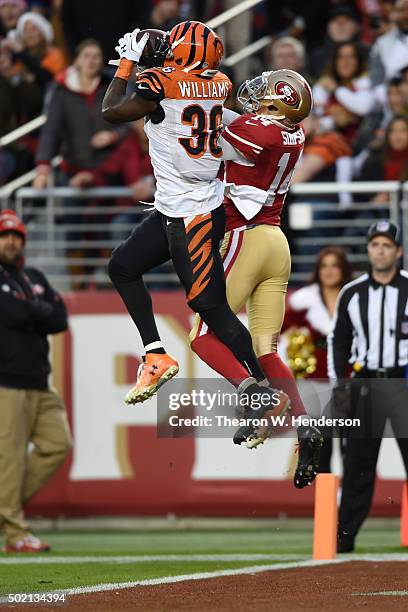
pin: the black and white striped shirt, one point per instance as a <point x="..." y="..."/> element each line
<point x="370" y="326"/>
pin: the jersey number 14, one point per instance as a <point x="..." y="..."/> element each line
<point x="280" y="185"/>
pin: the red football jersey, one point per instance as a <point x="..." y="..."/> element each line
<point x="256" y="194"/>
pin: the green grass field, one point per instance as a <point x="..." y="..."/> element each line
<point x="95" y="557"/>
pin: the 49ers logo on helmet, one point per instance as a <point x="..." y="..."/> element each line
<point x="289" y="95"/>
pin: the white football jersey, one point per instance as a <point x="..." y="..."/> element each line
<point x="183" y="138"/>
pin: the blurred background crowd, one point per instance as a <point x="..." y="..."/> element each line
<point x="54" y="60"/>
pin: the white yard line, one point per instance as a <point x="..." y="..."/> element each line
<point x="382" y="593"/>
<point x="254" y="569"/>
<point x="122" y="559"/>
<point x="22" y="560"/>
<point x="377" y="557"/>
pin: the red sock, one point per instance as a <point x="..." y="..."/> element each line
<point x="219" y="357"/>
<point x="275" y="368"/>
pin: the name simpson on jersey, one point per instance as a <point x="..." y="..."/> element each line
<point x="293" y="138"/>
<point x="209" y="89"/>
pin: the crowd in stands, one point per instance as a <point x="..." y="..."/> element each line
<point x="54" y="59"/>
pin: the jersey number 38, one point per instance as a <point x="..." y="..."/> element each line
<point x="204" y="130"/>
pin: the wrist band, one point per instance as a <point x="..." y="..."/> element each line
<point x="125" y="69"/>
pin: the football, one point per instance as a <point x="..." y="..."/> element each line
<point x="151" y="57"/>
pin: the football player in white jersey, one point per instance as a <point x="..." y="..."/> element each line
<point x="182" y="101"/>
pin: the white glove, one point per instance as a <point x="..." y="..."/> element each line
<point x="129" y="48"/>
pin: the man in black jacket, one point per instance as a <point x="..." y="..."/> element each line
<point x="29" y="410"/>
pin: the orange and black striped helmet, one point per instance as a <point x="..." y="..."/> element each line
<point x="194" y="46"/>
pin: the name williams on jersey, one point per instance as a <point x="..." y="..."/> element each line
<point x="205" y="89"/>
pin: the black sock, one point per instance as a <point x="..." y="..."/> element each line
<point x="137" y="299"/>
<point x="159" y="351"/>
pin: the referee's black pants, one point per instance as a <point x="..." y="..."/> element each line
<point x="192" y="243"/>
<point x="375" y="402"/>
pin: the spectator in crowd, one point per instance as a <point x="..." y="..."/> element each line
<point x="375" y="16"/>
<point x="389" y="54"/>
<point x="55" y="17"/>
<point x="389" y="161"/>
<point x="386" y="10"/>
<point x="287" y="53"/>
<point x="164" y="15"/>
<point x="343" y="94"/>
<point x="305" y="20"/>
<point x="52" y="10"/>
<point x="76" y="129"/>
<point x="341" y="98"/>
<point x="343" y="26"/>
<point x="31" y="45"/>
<point x="323" y="153"/>
<point x="30" y="411"/>
<point x="104" y="21"/>
<point x="20" y="101"/>
<point x="391" y="99"/>
<point x="386" y="159"/>
<point x="75" y="126"/>
<point x="10" y="12"/>
<point x="312" y="308"/>
<point x="129" y="164"/>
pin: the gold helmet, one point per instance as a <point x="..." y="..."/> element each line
<point x="284" y="92"/>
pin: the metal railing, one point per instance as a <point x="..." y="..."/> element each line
<point x="324" y="222"/>
<point x="72" y="231"/>
<point x="23" y="130"/>
<point x="247" y="51"/>
<point x="404" y="222"/>
<point x="71" y="237"/>
<point x="229" y="14"/>
<point x="7" y="191"/>
<point x="250" y="49"/>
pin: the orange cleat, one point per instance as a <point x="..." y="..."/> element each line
<point x="155" y="370"/>
<point x="29" y="544"/>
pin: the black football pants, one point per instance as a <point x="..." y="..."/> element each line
<point x="192" y="243"/>
<point x="375" y="403"/>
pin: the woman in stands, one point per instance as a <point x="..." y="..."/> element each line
<point x="342" y="97"/>
<point x="343" y="94"/>
<point x="31" y="45"/>
<point x="389" y="161"/>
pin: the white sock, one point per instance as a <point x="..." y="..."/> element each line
<point x="154" y="345"/>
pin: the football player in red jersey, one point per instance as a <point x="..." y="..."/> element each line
<point x="262" y="148"/>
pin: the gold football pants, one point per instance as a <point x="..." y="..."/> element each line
<point x="257" y="267"/>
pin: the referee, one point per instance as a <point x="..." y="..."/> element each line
<point x="370" y="335"/>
